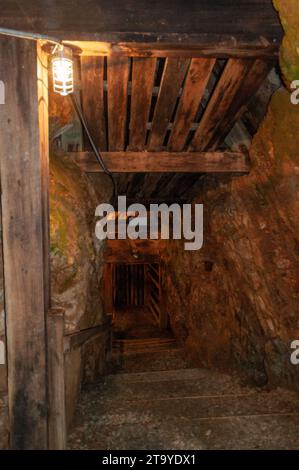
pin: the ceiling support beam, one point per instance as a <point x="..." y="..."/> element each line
<point x="192" y="47"/>
<point x="164" y="162"/>
<point x="227" y="28"/>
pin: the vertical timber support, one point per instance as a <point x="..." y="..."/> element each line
<point x="163" y="320"/>
<point x="56" y="374"/>
<point x="24" y="181"/>
<point x="163" y="307"/>
<point x="108" y="288"/>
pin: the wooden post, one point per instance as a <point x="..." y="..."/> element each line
<point x="163" y="309"/>
<point x="108" y="288"/>
<point x="56" y="380"/>
<point x="43" y="117"/>
<point x="23" y="163"/>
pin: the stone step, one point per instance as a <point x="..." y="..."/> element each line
<point x="156" y="399"/>
<point x="150" y="360"/>
<point x="117" y="408"/>
<point x="143" y="347"/>
<point x="183" y="408"/>
<point x="184" y="382"/>
<point x="174" y="374"/>
<point x="229" y="433"/>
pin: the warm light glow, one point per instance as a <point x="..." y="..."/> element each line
<point x="63" y="76"/>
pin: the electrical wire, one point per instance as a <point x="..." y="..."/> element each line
<point x="27" y="35"/>
<point x="80" y="114"/>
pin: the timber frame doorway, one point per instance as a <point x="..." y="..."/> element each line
<point x="136" y="284"/>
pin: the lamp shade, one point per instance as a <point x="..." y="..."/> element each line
<point x="63" y="72"/>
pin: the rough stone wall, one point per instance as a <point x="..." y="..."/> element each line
<point x="76" y="255"/>
<point x="289" y="51"/>
<point x="77" y="267"/>
<point x="235" y="303"/>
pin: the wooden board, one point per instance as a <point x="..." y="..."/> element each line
<point x="73" y="379"/>
<point x="143" y="74"/>
<point x="107" y="286"/>
<point x="173" y="76"/>
<point x="122" y="251"/>
<point x="164" y="162"/>
<point x="250" y="84"/>
<point x="78" y="338"/>
<point x="56" y="381"/>
<point x="24" y="236"/>
<point x="197" y="47"/>
<point x="118" y="74"/>
<point x="92" y="87"/>
<point x="196" y="81"/>
<point x="222" y="98"/>
<point x="224" y="26"/>
<point x="55" y="323"/>
<point x="43" y="120"/>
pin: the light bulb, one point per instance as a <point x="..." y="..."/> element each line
<point x="63" y="74"/>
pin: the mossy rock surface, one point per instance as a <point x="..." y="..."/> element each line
<point x="289" y="53"/>
<point x="76" y="255"/>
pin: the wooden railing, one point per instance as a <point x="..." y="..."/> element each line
<point x="65" y="370"/>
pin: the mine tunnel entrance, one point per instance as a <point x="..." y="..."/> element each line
<point x="142" y="339"/>
<point x="137" y="301"/>
<point x="129" y="286"/>
<point x="172" y="121"/>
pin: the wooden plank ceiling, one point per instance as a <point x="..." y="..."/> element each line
<point x="161" y="115"/>
<point x="177" y="105"/>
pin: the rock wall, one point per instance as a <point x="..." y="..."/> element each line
<point x="289" y="51"/>
<point x="77" y="268"/>
<point x="235" y="303"/>
<point x="76" y="255"/>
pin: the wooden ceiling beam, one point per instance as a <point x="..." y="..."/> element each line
<point x="118" y="75"/>
<point x="164" y="162"/>
<point x="226" y="26"/>
<point x="197" y="49"/>
<point x="225" y="93"/>
<point x="249" y="86"/>
<point x="92" y="92"/>
<point x="123" y="251"/>
<point x="172" y="79"/>
<point x="195" y="84"/>
<point x="143" y="75"/>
